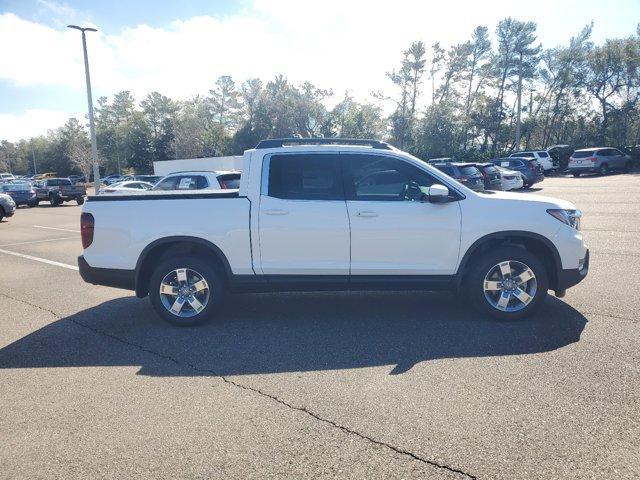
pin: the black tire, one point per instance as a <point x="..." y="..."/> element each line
<point x="604" y="169"/>
<point x="80" y="200"/>
<point x="1" y="213"/>
<point x="628" y="167"/>
<point x="576" y="174"/>
<point x="475" y="282"/>
<point x="206" y="270"/>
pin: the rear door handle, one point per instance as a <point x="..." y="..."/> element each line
<point x="275" y="211"/>
<point x="367" y="214"/>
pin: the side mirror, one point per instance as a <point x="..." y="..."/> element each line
<point x="438" y="193"/>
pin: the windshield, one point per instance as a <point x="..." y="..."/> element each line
<point x="470" y="171"/>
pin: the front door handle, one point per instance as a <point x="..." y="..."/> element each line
<point x="275" y="211"/>
<point x="367" y="214"/>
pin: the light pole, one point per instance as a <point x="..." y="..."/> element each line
<point x="92" y="130"/>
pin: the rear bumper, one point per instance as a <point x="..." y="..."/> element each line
<point x="570" y="277"/>
<point x="109" y="277"/>
<point x="581" y="169"/>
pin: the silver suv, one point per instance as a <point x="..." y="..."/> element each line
<point x="599" y="160"/>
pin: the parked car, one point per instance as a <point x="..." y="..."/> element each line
<point x="491" y="175"/>
<point x="22" y="193"/>
<point x="152" y="179"/>
<point x="6" y="177"/>
<point x="466" y="173"/>
<point x="124" y="188"/>
<point x="599" y="160"/>
<point x="59" y="190"/>
<point x="110" y="179"/>
<point x="7" y="206"/>
<point x="44" y="176"/>
<point x="304" y="219"/>
<point x="511" y="180"/>
<point x="441" y="160"/>
<point x="199" y="181"/>
<point x="77" y="179"/>
<point x="528" y="167"/>
<point x="542" y="157"/>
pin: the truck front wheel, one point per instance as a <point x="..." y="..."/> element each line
<point x="508" y="283"/>
<point x="185" y="291"/>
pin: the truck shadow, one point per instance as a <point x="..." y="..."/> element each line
<point x="297" y="332"/>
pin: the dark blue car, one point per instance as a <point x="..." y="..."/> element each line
<point x="531" y="170"/>
<point x="22" y="193"/>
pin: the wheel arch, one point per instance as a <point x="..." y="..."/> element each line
<point x="159" y="249"/>
<point x="537" y="244"/>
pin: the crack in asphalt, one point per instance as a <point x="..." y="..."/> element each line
<point x="255" y="390"/>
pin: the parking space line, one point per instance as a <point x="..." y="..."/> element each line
<point x="38" y="259"/>
<point x="38" y="241"/>
<point x="57" y="228"/>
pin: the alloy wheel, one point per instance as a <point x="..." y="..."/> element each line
<point x="510" y="286"/>
<point x="184" y="292"/>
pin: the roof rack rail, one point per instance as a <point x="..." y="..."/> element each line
<point x="281" y="142"/>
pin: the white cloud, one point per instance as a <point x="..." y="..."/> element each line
<point x="31" y="123"/>
<point x="339" y="44"/>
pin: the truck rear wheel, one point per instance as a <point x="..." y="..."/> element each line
<point x="508" y="284"/>
<point x="80" y="200"/>
<point x="185" y="290"/>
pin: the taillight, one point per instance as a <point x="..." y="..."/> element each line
<point x="87" y="223"/>
<point x="592" y="159"/>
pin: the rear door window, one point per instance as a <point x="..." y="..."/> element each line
<point x="167" y="184"/>
<point x="543" y="154"/>
<point x="305" y="177"/>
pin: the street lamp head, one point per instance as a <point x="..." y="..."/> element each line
<point x="83" y="29"/>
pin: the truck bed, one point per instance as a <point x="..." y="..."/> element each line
<point x="166" y="195"/>
<point x="134" y="222"/>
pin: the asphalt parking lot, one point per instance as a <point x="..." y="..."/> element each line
<point x="346" y="385"/>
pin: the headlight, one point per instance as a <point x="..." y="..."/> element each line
<point x="568" y="217"/>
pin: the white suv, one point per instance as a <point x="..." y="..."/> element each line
<point x="543" y="158"/>
<point x="196" y="180"/>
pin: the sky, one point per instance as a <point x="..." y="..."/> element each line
<point x="181" y="48"/>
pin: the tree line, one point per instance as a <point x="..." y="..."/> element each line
<point x="484" y="98"/>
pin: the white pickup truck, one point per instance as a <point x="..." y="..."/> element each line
<point x="333" y="214"/>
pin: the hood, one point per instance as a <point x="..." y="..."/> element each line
<point x="548" y="202"/>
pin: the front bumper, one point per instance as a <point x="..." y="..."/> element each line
<point x="109" y="277"/>
<point x="569" y="277"/>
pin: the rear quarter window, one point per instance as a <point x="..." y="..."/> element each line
<point x="543" y="154"/>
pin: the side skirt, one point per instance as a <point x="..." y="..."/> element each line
<point x="312" y="283"/>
